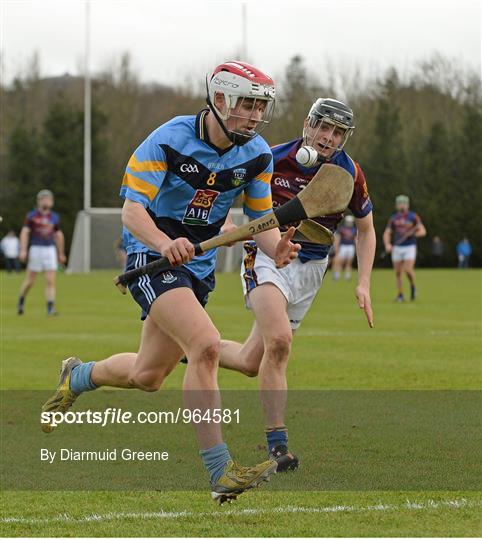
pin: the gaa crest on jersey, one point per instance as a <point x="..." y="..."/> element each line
<point x="199" y="208"/>
<point x="238" y="176"/>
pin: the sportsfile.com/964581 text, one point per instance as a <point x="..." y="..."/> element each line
<point x="111" y="416"/>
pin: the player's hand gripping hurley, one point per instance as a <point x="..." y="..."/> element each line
<point x="329" y="192"/>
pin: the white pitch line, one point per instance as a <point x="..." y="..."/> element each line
<point x="383" y="333"/>
<point x="380" y="507"/>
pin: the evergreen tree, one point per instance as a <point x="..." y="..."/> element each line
<point x="105" y="187"/>
<point x="386" y="166"/>
<point x="18" y="193"/>
<point x="62" y="161"/>
<point x="294" y="98"/>
<point x="432" y="185"/>
<point x="468" y="179"/>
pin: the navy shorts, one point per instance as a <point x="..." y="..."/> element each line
<point x="147" y="288"/>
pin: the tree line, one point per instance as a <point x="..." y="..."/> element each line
<point x="418" y="134"/>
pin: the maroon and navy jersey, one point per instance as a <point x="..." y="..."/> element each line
<point x="347" y="235"/>
<point x="289" y="178"/>
<point x="400" y="223"/>
<point x="42" y="227"/>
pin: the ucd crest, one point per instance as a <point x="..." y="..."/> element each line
<point x="167" y="277"/>
<point x="238" y="176"/>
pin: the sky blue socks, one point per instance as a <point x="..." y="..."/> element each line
<point x="80" y="378"/>
<point x="215" y="460"/>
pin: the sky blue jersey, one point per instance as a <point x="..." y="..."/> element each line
<point x="187" y="185"/>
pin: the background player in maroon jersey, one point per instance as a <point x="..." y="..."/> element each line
<point x="280" y="297"/>
<point x="400" y="239"/>
<point x="345" y="238"/>
<point x="46" y="251"/>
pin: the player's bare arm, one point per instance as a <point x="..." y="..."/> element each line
<point x="60" y="245"/>
<point x="24" y="238"/>
<point x="140" y="224"/>
<point x="387" y="239"/>
<point x="366" y="244"/>
<point x="421" y="230"/>
<point x="336" y="243"/>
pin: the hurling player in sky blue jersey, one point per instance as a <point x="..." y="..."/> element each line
<point x="42" y="243"/>
<point x="280" y="297"/>
<point x="178" y="188"/>
<point x="400" y="239"/>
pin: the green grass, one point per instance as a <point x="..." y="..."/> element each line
<point x="432" y="344"/>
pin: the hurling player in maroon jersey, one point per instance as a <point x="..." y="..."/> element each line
<point x="280" y="297"/>
<point x="400" y="240"/>
<point x="345" y="239"/>
<point x="42" y="243"/>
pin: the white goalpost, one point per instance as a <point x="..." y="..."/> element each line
<point x="95" y="233"/>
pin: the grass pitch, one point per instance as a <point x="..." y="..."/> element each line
<point x="431" y="344"/>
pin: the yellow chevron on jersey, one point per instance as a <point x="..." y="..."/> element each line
<point x="140" y="186"/>
<point x="145" y="166"/>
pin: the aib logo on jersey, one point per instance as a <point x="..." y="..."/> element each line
<point x="238" y="177"/>
<point x="199" y="209"/>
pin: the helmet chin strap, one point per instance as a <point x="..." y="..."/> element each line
<point x="236" y="138"/>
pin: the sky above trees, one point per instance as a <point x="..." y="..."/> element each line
<point x="171" y="41"/>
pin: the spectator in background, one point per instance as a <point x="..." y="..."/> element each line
<point x="437" y="252"/>
<point x="464" y="251"/>
<point x="11" y="248"/>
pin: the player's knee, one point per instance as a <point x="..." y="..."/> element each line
<point x="206" y="351"/>
<point x="251" y="370"/>
<point x="278" y="347"/>
<point x="153" y="387"/>
<point x="209" y="352"/>
<point x="147" y="381"/>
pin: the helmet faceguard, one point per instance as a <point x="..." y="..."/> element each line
<point x="45" y="199"/>
<point x="334" y="114"/>
<point x="249" y="99"/>
<point x="402" y="199"/>
<point x="349" y="220"/>
<point x="402" y="202"/>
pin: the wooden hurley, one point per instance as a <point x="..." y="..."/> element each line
<point x="328" y="192"/>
